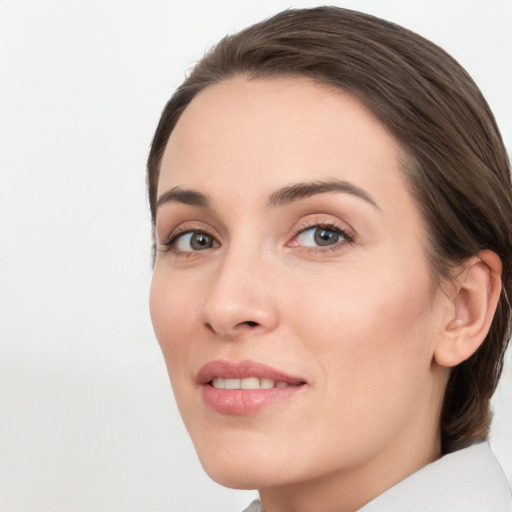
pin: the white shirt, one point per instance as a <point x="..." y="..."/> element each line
<point x="468" y="480"/>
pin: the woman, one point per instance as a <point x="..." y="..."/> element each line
<point x="332" y="209"/>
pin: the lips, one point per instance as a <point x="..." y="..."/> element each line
<point x="245" y="387"/>
<point x="241" y="370"/>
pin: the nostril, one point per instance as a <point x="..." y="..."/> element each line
<point x="209" y="327"/>
<point x="230" y="331"/>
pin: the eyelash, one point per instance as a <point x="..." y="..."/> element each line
<point x="170" y="243"/>
<point x="332" y="226"/>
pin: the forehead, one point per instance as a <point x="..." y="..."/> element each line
<point x="259" y="134"/>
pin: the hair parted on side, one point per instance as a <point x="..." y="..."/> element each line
<point x="457" y="169"/>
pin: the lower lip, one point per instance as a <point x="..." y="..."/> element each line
<point x="245" y="401"/>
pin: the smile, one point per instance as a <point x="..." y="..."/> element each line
<point x="249" y="383"/>
<point x="245" y="387"/>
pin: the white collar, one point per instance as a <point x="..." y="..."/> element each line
<point x="468" y="480"/>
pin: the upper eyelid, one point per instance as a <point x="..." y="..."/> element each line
<point x="186" y="227"/>
<point x="345" y="233"/>
<point x="327" y="225"/>
<point x="171" y="219"/>
<point x="309" y="221"/>
<point x="326" y="221"/>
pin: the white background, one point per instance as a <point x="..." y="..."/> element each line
<point x="87" y="418"/>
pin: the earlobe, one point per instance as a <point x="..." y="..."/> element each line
<point x="474" y="302"/>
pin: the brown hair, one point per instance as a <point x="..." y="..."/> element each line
<point x="458" y="169"/>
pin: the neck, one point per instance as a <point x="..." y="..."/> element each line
<point x="350" y="489"/>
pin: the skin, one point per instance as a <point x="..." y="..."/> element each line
<point x="359" y="321"/>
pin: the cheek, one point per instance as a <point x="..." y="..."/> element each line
<point x="369" y="328"/>
<point x="369" y="341"/>
<point x="170" y="308"/>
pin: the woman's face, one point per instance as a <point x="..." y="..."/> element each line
<point x="291" y="263"/>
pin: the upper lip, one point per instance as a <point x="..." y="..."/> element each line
<point x="240" y="369"/>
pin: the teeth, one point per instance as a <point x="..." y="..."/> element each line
<point x="250" y="383"/>
<point x="267" y="383"/>
<point x="247" y="383"/>
<point x="232" y="383"/>
<point x="217" y="382"/>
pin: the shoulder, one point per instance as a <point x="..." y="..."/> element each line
<point x="469" y="480"/>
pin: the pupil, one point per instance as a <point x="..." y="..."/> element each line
<point x="201" y="241"/>
<point x="326" y="237"/>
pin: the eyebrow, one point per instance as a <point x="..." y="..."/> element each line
<point x="179" y="195"/>
<point x="299" y="191"/>
<point x="283" y="196"/>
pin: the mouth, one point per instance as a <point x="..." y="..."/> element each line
<point x="245" y="387"/>
<point x="224" y="374"/>
<point x="249" y="383"/>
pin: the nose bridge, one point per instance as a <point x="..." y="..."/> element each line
<point x="241" y="295"/>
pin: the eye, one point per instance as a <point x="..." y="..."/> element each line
<point x="192" y="241"/>
<point x="321" y="236"/>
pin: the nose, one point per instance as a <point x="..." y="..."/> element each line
<point x="241" y="298"/>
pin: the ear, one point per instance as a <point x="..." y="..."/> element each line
<point x="473" y="304"/>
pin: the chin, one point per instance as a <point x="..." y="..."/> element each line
<point x="242" y="465"/>
<point x="235" y="480"/>
<point x="246" y="475"/>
